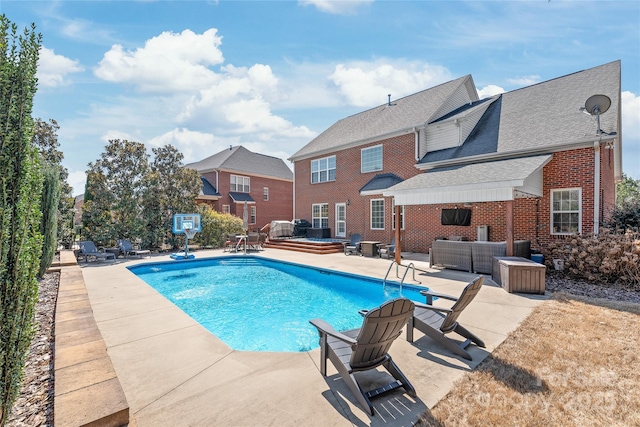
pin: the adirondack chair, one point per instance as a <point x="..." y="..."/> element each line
<point x="88" y="249"/>
<point x="353" y="246"/>
<point x="437" y="322"/>
<point x="366" y="348"/>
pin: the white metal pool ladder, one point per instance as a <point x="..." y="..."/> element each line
<point x="407" y="267"/>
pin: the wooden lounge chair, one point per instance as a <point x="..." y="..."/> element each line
<point x="366" y="348"/>
<point x="353" y="246"/>
<point x="127" y="249"/>
<point x="88" y="249"/>
<point x="437" y="322"/>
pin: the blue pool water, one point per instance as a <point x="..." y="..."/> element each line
<point x="256" y="304"/>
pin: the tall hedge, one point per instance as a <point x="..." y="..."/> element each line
<point x="20" y="188"/>
<point x="49" y="224"/>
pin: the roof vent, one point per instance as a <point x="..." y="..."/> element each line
<point x="389" y="101"/>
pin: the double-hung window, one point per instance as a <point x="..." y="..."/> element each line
<point x="241" y="184"/>
<point x="323" y="170"/>
<point x="252" y="220"/>
<point x="265" y="194"/>
<point x="377" y="214"/>
<point x="320" y="215"/>
<point x="371" y="159"/>
<point x="566" y="211"/>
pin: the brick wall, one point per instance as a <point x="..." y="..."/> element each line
<point x="569" y="169"/>
<point x="278" y="207"/>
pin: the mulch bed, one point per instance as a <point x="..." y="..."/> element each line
<point x="34" y="406"/>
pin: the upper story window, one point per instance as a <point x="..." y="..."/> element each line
<point x="241" y="184"/>
<point x="265" y="194"/>
<point x="323" y="170"/>
<point x="566" y="211"/>
<point x="371" y="159"/>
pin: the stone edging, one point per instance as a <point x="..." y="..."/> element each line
<point x="87" y="390"/>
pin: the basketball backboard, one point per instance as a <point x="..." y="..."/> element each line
<point x="186" y="221"/>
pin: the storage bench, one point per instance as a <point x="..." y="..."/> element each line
<point x="517" y="274"/>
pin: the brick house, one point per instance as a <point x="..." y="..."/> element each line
<point x="522" y="165"/>
<point x="235" y="176"/>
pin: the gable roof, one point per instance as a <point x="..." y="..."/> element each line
<point x="239" y="159"/>
<point x="397" y="117"/>
<point x="544" y="117"/>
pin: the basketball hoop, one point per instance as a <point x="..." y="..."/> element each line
<point x="190" y="233"/>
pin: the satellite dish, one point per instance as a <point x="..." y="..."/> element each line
<point x="597" y="104"/>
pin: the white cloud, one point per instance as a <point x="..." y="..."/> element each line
<point x="194" y="145"/>
<point x="524" y="80"/>
<point x="631" y="134"/>
<point x="53" y="68"/>
<point x="166" y="63"/>
<point x="367" y="84"/>
<point x="489" y="91"/>
<point x="77" y="180"/>
<point x="336" y="7"/>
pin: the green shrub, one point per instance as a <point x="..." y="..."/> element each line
<point x="20" y="189"/>
<point x="215" y="226"/>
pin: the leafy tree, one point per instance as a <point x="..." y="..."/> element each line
<point x="626" y="214"/>
<point x="49" y="207"/>
<point x="627" y="190"/>
<point x="20" y="188"/>
<point x="45" y="137"/>
<point x="116" y="183"/>
<point x="169" y="189"/>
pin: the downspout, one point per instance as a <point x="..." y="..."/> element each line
<point x="217" y="183"/>
<point x="596" y="188"/>
<point x="293" y="213"/>
<point x="416" y="143"/>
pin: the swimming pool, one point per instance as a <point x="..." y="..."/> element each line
<point x="258" y="304"/>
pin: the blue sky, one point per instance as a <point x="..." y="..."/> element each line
<point x="271" y="75"/>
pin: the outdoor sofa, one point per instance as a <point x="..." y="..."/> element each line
<point x="476" y="257"/>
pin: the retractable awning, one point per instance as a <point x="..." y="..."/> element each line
<point x="493" y="181"/>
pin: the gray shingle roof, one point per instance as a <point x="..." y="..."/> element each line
<point x="207" y="188"/>
<point x="381" y="181"/>
<point x="548" y="113"/>
<point x="477" y="173"/>
<point x="403" y="114"/>
<point x="543" y="115"/>
<point x="239" y="159"/>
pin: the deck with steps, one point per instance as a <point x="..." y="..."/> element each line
<point x="307" y="246"/>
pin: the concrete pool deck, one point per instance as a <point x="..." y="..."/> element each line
<point x="176" y="373"/>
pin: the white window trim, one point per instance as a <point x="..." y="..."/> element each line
<point x="551" y="211"/>
<point x="243" y="178"/>
<point x="320" y="218"/>
<point x="226" y="209"/>
<point x="327" y="170"/>
<point x="253" y="216"/>
<point x="265" y="194"/>
<point x="381" y="158"/>
<point x="339" y="221"/>
<point x="371" y="214"/>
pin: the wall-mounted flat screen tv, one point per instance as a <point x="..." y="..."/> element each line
<point x="456" y="217"/>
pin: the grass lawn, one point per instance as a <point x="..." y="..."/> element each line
<point x="574" y="361"/>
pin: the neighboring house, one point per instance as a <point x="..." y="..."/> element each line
<point x="235" y="176"/>
<point x="527" y="164"/>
